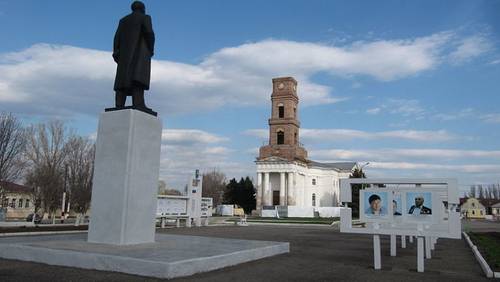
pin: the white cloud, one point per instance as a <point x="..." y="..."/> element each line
<point x="467" y="168"/>
<point x="470" y="47"/>
<point x="404" y="154"/>
<point x="259" y="133"/>
<point x="403" y="107"/>
<point x="185" y="150"/>
<point x="325" y="135"/>
<point x="373" y="111"/>
<point x="47" y="79"/>
<point x="189" y="136"/>
<point x="491" y="118"/>
<point x="347" y="134"/>
<point x="465" y="113"/>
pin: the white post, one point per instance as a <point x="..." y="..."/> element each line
<point x="377" y="263"/>
<point x="63" y="207"/>
<point x="433" y="241"/>
<point x="282" y="189"/>
<point x="162" y="220"/>
<point x="411" y="239"/>
<point x="67" y="210"/>
<point x="377" y="260"/>
<point x="393" y="245"/>
<point x="420" y="254"/>
<point x="428" y="247"/>
<point x="178" y="222"/>
<point x="403" y="241"/>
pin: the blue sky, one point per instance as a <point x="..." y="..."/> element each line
<point x="409" y="86"/>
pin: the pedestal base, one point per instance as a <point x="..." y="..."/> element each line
<point x="170" y="256"/>
<point x="124" y="192"/>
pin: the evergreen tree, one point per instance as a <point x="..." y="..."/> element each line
<point x="354" y="205"/>
<point x="241" y="193"/>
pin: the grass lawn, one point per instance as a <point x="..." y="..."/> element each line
<point x="488" y="244"/>
<point x="296" y="220"/>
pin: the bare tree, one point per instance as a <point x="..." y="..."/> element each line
<point x="80" y="168"/>
<point x="12" y="145"/>
<point x="164" y="190"/>
<point x="46" y="151"/>
<point x="481" y="191"/>
<point x="214" y="185"/>
<point x="472" y="193"/>
<point x="32" y="180"/>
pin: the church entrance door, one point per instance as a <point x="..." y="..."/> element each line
<point x="276" y="198"/>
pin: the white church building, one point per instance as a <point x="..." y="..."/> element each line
<point x="287" y="181"/>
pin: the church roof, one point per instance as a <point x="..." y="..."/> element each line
<point x="341" y="166"/>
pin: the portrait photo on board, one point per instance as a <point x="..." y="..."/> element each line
<point x="396" y="203"/>
<point x="419" y="203"/>
<point x="375" y="203"/>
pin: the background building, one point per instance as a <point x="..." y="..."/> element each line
<point x="16" y="200"/>
<point x="285" y="176"/>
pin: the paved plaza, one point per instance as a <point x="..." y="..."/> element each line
<point x="317" y="253"/>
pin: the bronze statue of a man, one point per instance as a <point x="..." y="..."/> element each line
<point x="133" y="48"/>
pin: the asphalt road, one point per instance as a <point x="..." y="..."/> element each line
<point x="317" y="253"/>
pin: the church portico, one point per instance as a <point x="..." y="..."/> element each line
<point x="285" y="176"/>
<point x="275" y="185"/>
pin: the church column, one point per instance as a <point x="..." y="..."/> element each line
<point x="259" y="191"/>
<point x="282" y="189"/>
<point x="268" y="200"/>
<point x="305" y="184"/>
<point x="291" y="190"/>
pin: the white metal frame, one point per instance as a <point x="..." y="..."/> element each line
<point x="442" y="223"/>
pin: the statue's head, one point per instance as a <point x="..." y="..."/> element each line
<point x="138" y="6"/>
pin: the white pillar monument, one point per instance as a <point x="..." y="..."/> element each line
<point x="125" y="184"/>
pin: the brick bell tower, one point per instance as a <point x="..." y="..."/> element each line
<point x="284" y="124"/>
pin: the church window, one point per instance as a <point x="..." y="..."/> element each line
<point x="5" y="202"/>
<point x="20" y="203"/>
<point x="27" y="205"/>
<point x="281" y="137"/>
<point x="281" y="111"/>
<point x="314" y="200"/>
<point x="13" y="203"/>
<point x="295" y="112"/>
<point x="473" y="212"/>
<point x="295" y="137"/>
<point x="481" y="212"/>
<point x="314" y="181"/>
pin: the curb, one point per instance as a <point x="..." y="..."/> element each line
<point x="289" y="224"/>
<point x="14" y="234"/>
<point x="482" y="262"/>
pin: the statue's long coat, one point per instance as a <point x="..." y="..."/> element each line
<point x="132" y="50"/>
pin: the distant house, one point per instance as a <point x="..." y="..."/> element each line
<point x="472" y="208"/>
<point x="495" y="210"/>
<point x="488" y="204"/>
<point x="16" y="199"/>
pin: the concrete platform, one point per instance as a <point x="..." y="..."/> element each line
<point x="170" y="256"/>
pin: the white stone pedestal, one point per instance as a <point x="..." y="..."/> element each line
<point x="124" y="192"/>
